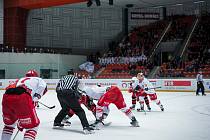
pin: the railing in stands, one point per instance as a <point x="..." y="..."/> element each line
<point x="158" y="43"/>
<point x="188" y="39"/>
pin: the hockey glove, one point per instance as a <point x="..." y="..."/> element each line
<point x="130" y="90"/>
<point x="36" y="97"/>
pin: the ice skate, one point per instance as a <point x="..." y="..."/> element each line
<point x="140" y="109"/>
<point x="134" y="122"/>
<point x="88" y="130"/>
<point x="57" y="125"/>
<point x="161" y="107"/>
<point x="66" y="122"/>
<point x="97" y="124"/>
<point x="133" y="107"/>
<point x="149" y="108"/>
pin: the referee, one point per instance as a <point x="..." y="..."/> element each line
<point x="199" y="79"/>
<point x="68" y="96"/>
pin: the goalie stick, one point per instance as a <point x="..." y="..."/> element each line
<point x="50" y="107"/>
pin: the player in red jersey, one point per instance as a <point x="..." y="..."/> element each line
<point x="106" y="96"/>
<point x="18" y="105"/>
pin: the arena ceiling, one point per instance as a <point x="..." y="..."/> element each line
<point x="151" y="3"/>
<point x="34" y="4"/>
<point x="146" y="3"/>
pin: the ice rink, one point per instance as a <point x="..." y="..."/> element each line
<point x="186" y="117"/>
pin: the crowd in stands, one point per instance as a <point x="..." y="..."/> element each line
<point x="187" y="69"/>
<point x="122" y="60"/>
<point x="198" y="55"/>
<point x="7" y="48"/>
<point x="82" y="74"/>
<point x="121" y="71"/>
<point x="141" y="39"/>
<point x="200" y="41"/>
<point x="180" y="26"/>
<point x="129" y="56"/>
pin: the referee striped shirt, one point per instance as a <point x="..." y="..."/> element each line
<point x="68" y="82"/>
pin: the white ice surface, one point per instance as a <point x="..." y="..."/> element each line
<point x="186" y="117"/>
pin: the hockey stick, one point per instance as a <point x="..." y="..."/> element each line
<point x="16" y="134"/>
<point x="146" y="89"/>
<point x="50" y="107"/>
<point x="145" y="113"/>
<point x="154" y="88"/>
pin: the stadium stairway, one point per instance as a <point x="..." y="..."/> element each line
<point x="187" y="39"/>
<point x="153" y="72"/>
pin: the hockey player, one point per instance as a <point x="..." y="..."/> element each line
<point x="133" y="96"/>
<point x="18" y="108"/>
<point x="106" y="96"/>
<point x="146" y="88"/>
<point x="136" y="95"/>
<point x="142" y="97"/>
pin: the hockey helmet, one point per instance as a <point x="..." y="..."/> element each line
<point x="32" y="73"/>
<point x="140" y="74"/>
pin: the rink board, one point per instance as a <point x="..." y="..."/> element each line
<point x="167" y="85"/>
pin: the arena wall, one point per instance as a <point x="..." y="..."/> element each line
<point x="16" y="64"/>
<point x="69" y="27"/>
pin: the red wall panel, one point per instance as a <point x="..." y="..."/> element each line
<point x="15" y="16"/>
<point x="34" y="4"/>
<point x="15" y="27"/>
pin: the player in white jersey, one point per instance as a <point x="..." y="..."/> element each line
<point x="18" y="106"/>
<point x="34" y="85"/>
<point x="106" y="96"/>
<point x="147" y="87"/>
<point x="137" y="94"/>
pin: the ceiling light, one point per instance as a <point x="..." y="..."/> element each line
<point x="158" y="6"/>
<point x="179" y="4"/>
<point x="198" y="1"/>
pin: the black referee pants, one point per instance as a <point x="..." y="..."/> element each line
<point x="68" y="100"/>
<point x="200" y="87"/>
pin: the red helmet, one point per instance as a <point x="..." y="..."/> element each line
<point x="32" y="73"/>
